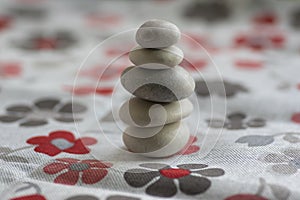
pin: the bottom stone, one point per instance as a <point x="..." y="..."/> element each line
<point x="167" y="141"/>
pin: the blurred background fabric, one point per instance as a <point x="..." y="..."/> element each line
<point x="57" y="83"/>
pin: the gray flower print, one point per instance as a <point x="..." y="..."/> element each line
<point x="41" y="110"/>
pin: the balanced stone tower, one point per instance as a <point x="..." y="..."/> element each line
<point x="161" y="88"/>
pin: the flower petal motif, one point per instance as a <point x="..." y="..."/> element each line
<point x="235" y="125"/>
<point x="97" y="163"/>
<point x="236" y="121"/>
<point x="73" y="169"/>
<point x="212" y="172"/>
<point x="16" y="159"/>
<point x="67" y="178"/>
<point x="174" y="173"/>
<point x="293" y="153"/>
<point x="62" y="134"/>
<point x="256" y="123"/>
<point x="5" y="22"/>
<point x="236" y="116"/>
<point x="77" y="148"/>
<point x="28" y="12"/>
<point x="204" y="10"/>
<point x="55" y="167"/>
<point x="104" y="91"/>
<point x="30" y="197"/>
<point x="39" y="41"/>
<point x="275" y="158"/>
<point x="83" y="197"/>
<point x="189" y="148"/>
<point x="192" y="185"/>
<point x="48" y="149"/>
<point x="61" y="141"/>
<point x="296" y="118"/>
<point x="192" y="166"/>
<point x="163" y="187"/>
<point x="245" y="197"/>
<point x="9" y="118"/>
<point x="68" y="160"/>
<point x="46" y="104"/>
<point x="221" y="88"/>
<point x="256" y="140"/>
<point x="120" y="197"/>
<point x="34" y="122"/>
<point x="291" y="138"/>
<point x="285" y="169"/>
<point x="20" y="109"/>
<point x="154" y="165"/>
<point x="91" y="176"/>
<point x="38" y="140"/>
<point x="248" y="64"/>
<point x="216" y="123"/>
<point x="139" y="177"/>
<point x="295" y="162"/>
<point x="72" y="108"/>
<point x="67" y="119"/>
<point x="88" y="140"/>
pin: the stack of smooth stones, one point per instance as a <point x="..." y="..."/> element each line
<point x="161" y="88"/>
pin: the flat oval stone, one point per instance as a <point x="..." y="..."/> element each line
<point x="157" y="34"/>
<point x="140" y="113"/>
<point x="166" y="141"/>
<point x="165" y="85"/>
<point x="156" y="58"/>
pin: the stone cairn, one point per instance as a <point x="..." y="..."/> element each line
<point x="161" y="88"/>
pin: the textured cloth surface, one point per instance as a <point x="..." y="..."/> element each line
<point x="60" y="91"/>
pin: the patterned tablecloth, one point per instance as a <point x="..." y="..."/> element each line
<point x="60" y="64"/>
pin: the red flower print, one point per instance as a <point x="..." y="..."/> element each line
<point x="4" y="22"/>
<point x="87" y="90"/>
<point x="104" y="91"/>
<point x="90" y="171"/>
<point x="248" y="64"/>
<point x="10" y="69"/>
<point x="298" y="86"/>
<point x="190" y="148"/>
<point x="104" y="21"/>
<point x="245" y="197"/>
<point x="30" y="197"/>
<point x="278" y="191"/>
<point x="58" y="40"/>
<point x="296" y="118"/>
<point x="174" y="173"/>
<point x="259" y="40"/>
<point x="277" y="40"/>
<point x="45" y="43"/>
<point x="61" y="141"/>
<point x="265" y="19"/>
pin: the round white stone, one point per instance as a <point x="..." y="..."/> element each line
<point x="156" y="58"/>
<point x="157" y="34"/>
<point x="140" y="113"/>
<point x="166" y="141"/>
<point x="165" y="85"/>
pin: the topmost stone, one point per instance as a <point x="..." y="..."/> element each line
<point x="157" y="33"/>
